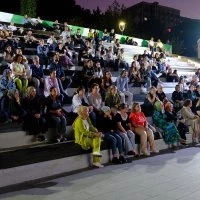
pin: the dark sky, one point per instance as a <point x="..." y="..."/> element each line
<point x="188" y="8"/>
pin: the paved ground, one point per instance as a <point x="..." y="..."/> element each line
<point x="167" y="176"/>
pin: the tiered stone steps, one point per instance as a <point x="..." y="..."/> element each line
<point x="23" y="160"/>
<point x="36" y="163"/>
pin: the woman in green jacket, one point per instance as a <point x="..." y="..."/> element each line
<point x="86" y="135"/>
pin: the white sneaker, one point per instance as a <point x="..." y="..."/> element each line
<point x="95" y="153"/>
<point x="98" y="164"/>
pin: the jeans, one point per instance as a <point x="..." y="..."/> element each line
<point x="129" y="140"/>
<point x="60" y="124"/>
<point x="114" y="141"/>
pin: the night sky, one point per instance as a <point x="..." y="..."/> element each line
<point x="188" y="8"/>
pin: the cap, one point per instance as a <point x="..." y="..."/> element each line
<point x="105" y="109"/>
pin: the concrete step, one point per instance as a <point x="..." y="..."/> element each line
<point x="47" y="169"/>
<point x="21" y="139"/>
<point x="16" y="139"/>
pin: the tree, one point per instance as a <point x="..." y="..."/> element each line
<point x="113" y="14"/>
<point x="28" y="7"/>
<point x="97" y="16"/>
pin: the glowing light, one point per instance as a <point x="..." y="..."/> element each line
<point x="122" y="26"/>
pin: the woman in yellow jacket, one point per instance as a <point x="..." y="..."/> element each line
<point x="86" y="135"/>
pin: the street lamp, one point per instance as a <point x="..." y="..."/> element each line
<point x="122" y="26"/>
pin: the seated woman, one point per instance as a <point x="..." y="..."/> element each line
<point x="172" y="117"/>
<point x="191" y="120"/>
<point x="7" y="84"/>
<point x="106" y="83"/>
<point x="176" y="76"/>
<point x="55" y="116"/>
<point x="4" y="104"/>
<point x="171" y="77"/>
<point x="34" y="122"/>
<point x="7" y="81"/>
<point x="95" y="98"/>
<point x="149" y="101"/>
<point x="124" y="129"/>
<point x="51" y="81"/>
<point x="177" y="98"/>
<point x="134" y="73"/>
<point x="8" y="55"/>
<point x="182" y="83"/>
<point x="141" y="127"/>
<point x="80" y="99"/>
<point x="86" y="135"/>
<point x="192" y="95"/>
<point x="171" y="134"/>
<point x="111" y="137"/>
<point x="15" y="109"/>
<point x="19" y="73"/>
<point x="160" y="94"/>
<point x="113" y="99"/>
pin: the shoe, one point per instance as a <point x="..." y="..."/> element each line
<point x="155" y="151"/>
<point x="97" y="154"/>
<point x="183" y="143"/>
<point x="174" y="147"/>
<point x="146" y="153"/>
<point x="182" y="140"/>
<point x="122" y="159"/>
<point x="130" y="153"/>
<point x="40" y="138"/>
<point x="98" y="164"/>
<point x="196" y="140"/>
<point x="116" y="160"/>
<point x="63" y="139"/>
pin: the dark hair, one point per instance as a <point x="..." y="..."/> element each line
<point x="94" y="85"/>
<point x="122" y="106"/>
<point x="89" y="60"/>
<point x="177" y="86"/>
<point x="16" y="57"/>
<point x="123" y="70"/>
<point x="187" y="102"/>
<point x="51" y="89"/>
<point x="180" y="79"/>
<point x="80" y="88"/>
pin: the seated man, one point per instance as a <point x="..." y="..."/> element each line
<point x="37" y="73"/>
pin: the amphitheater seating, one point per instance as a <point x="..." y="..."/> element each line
<point x="19" y="153"/>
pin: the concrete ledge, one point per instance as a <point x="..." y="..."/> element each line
<point x="35" y="172"/>
<point x="15" y="139"/>
<point x="20" y="138"/>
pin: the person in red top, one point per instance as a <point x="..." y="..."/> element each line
<point x="140" y="127"/>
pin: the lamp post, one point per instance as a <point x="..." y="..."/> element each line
<point x="122" y="26"/>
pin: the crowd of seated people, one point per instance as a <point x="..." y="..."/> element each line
<point x="36" y="99"/>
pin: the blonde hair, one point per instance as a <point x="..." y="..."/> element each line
<point x="81" y="110"/>
<point x="134" y="105"/>
<point x="29" y="91"/>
